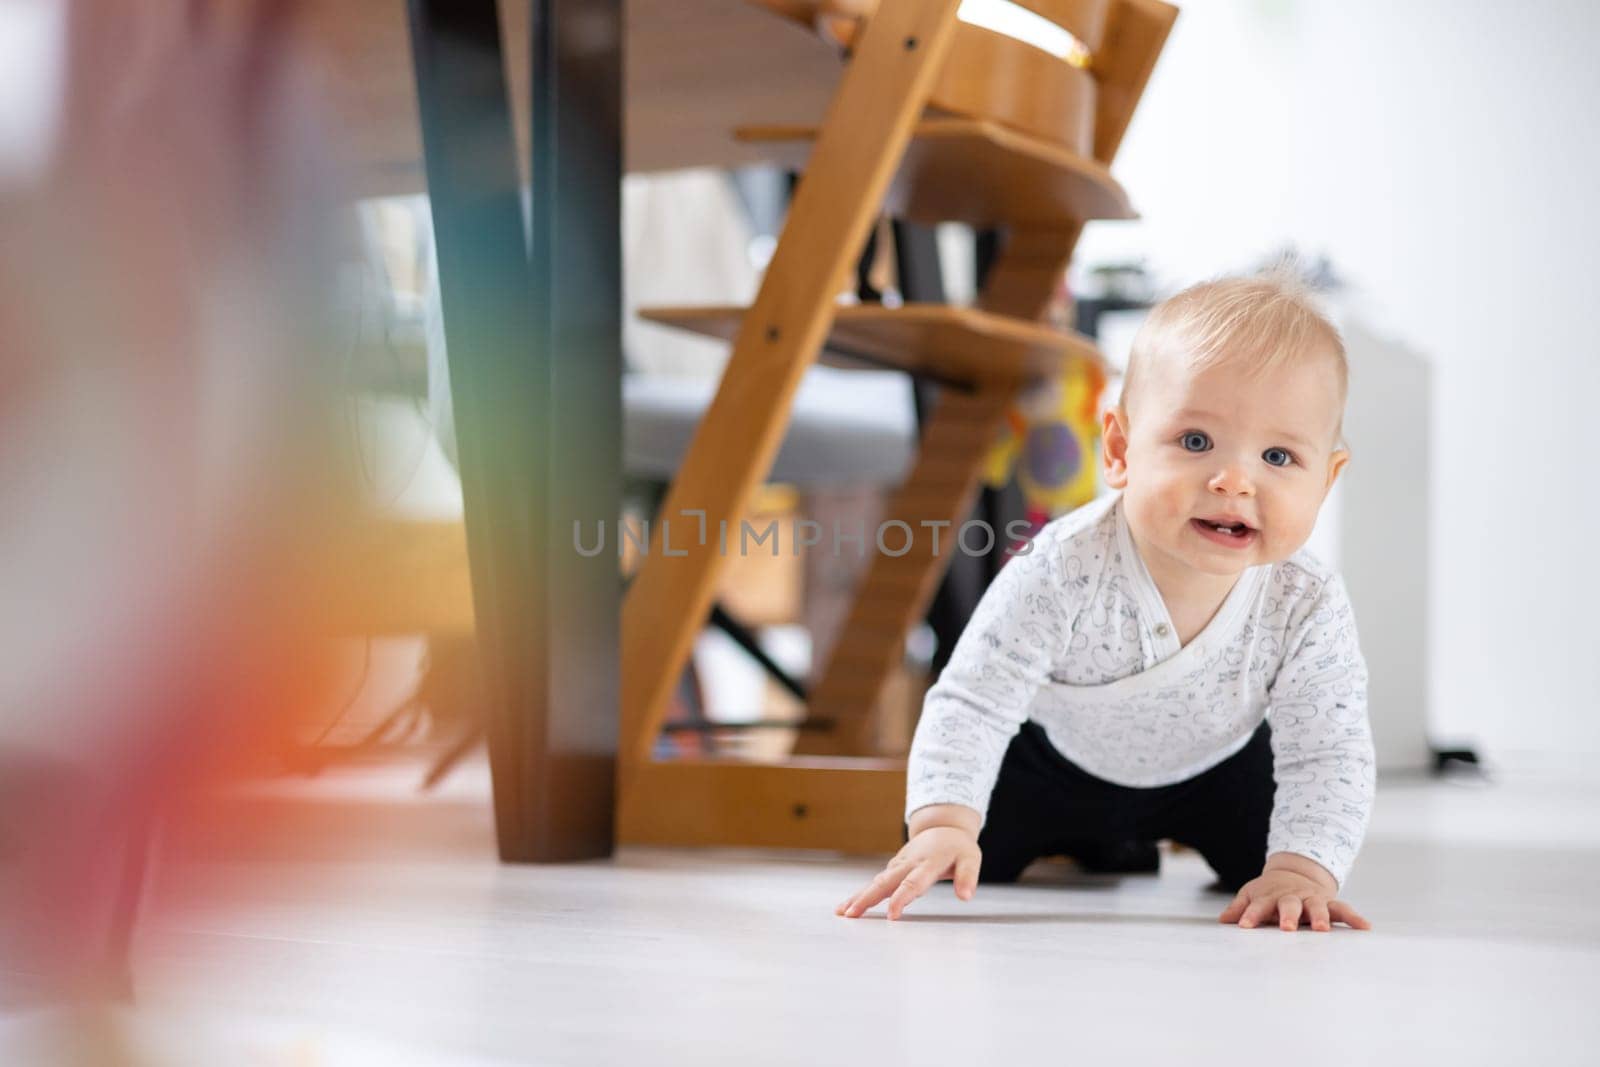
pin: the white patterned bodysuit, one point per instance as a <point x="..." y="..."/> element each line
<point x="1074" y="635"/>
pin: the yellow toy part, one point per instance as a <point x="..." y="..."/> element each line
<point x="1003" y="453"/>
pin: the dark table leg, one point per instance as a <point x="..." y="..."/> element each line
<point x="533" y="331"/>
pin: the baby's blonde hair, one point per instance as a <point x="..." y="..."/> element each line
<point x="1260" y="322"/>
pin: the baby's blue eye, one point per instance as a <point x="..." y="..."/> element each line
<point x="1277" y="457"/>
<point x="1195" y="441"/>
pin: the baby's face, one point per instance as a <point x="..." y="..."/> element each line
<point x="1222" y="469"/>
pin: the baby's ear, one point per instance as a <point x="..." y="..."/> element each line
<point x="1336" y="465"/>
<point x="1114" y="447"/>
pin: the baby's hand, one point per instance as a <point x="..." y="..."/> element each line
<point x="934" y="853"/>
<point x="1295" y="889"/>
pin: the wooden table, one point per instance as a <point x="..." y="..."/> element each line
<point x="418" y="89"/>
<point x="696" y="70"/>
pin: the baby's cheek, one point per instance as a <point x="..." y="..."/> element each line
<point x="1289" y="533"/>
<point x="1175" y="502"/>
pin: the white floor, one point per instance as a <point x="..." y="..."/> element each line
<point x="389" y="936"/>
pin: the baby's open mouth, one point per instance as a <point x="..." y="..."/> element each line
<point x="1230" y="532"/>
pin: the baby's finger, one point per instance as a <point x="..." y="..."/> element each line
<point x="885" y="880"/>
<point x="1231" y="913"/>
<point x="875" y="890"/>
<point x="849" y="901"/>
<point x="1289" y="913"/>
<point x="1317" y="912"/>
<point x="967" y="876"/>
<point x="1259" y="909"/>
<point x="1349" y="916"/>
<point x="858" y="904"/>
<point x="915" y="884"/>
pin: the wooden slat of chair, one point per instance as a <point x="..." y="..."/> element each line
<point x="1024" y="276"/>
<point x="970" y="170"/>
<point x="1136" y="31"/>
<point x="878" y="101"/>
<point x="851" y="685"/>
<point x="839" y="805"/>
<point x="947" y="343"/>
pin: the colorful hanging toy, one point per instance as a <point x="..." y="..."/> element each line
<point x="1051" y="438"/>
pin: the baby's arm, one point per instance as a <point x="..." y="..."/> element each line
<point x="982" y="697"/>
<point x="1324" y="766"/>
<point x="968" y="718"/>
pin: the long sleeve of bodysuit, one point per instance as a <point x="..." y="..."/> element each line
<point x="983" y="694"/>
<point x="1321" y="740"/>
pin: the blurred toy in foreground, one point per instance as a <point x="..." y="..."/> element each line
<point x="163" y="451"/>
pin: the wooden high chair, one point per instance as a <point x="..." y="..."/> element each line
<point x="934" y="120"/>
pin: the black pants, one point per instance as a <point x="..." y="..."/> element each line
<point x="1045" y="805"/>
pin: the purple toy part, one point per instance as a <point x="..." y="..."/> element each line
<point x="1052" y="454"/>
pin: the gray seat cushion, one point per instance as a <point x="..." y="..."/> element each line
<point x="847" y="427"/>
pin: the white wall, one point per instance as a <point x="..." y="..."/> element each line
<point x="1445" y="155"/>
<point x="32" y="53"/>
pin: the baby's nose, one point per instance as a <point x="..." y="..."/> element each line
<point x="1232" y="481"/>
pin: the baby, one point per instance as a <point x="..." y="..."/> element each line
<point x="1166" y="662"/>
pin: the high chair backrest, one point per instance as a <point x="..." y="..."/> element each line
<point x="1080" y="101"/>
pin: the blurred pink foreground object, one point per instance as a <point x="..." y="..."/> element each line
<point x="162" y="442"/>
